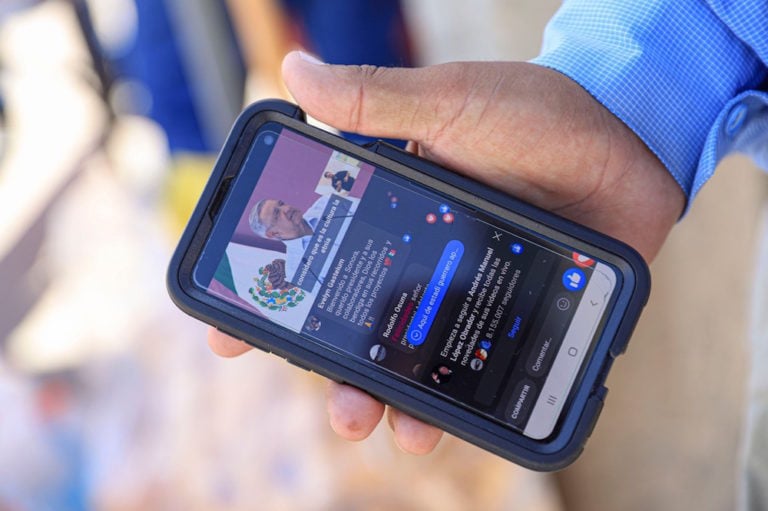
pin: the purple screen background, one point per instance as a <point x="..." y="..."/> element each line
<point x="291" y="175"/>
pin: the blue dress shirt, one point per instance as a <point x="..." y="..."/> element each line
<point x="687" y="76"/>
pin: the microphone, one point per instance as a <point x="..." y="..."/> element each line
<point x="326" y="218"/>
<point x="309" y="269"/>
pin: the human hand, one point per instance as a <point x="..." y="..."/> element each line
<point x="520" y="128"/>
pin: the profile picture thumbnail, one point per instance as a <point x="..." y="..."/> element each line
<point x="377" y="352"/>
<point x="312" y="324"/>
<point x="441" y="374"/>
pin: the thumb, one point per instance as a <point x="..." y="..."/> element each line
<point x="412" y="104"/>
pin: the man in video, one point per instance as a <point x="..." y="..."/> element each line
<point x="341" y="180"/>
<point x="274" y="219"/>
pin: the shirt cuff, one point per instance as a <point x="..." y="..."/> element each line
<point x="669" y="69"/>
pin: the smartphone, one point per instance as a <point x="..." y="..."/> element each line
<point x="473" y="311"/>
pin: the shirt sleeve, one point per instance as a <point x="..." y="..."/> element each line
<point x="684" y="75"/>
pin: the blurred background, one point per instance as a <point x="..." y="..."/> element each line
<point x="111" y="115"/>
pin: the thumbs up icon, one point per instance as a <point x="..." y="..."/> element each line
<point x="574" y="279"/>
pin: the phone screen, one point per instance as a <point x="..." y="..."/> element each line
<point x="369" y="263"/>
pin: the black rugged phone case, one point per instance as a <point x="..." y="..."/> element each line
<point x="556" y="452"/>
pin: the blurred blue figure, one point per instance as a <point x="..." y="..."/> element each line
<point x="185" y="56"/>
<point x="354" y="32"/>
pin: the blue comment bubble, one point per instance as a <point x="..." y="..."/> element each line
<point x="435" y="292"/>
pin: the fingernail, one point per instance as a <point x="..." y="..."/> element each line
<point x="308" y="57"/>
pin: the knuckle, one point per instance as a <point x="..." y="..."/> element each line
<point x="367" y="75"/>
